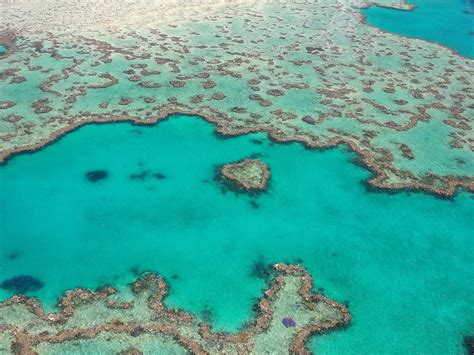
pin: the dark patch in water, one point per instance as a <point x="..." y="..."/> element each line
<point x="135" y="270"/>
<point x="140" y="176"/>
<point x="219" y="181"/>
<point x="346" y="303"/>
<point x="96" y="175"/>
<point x="256" y="141"/>
<point x="299" y="261"/>
<point x="13" y="255"/>
<point x="175" y="276"/>
<point x="254" y="204"/>
<point x="207" y="315"/>
<point x="22" y="284"/>
<point x="255" y="155"/>
<point x="206" y="181"/>
<point x="256" y="306"/>
<point x="469" y="344"/>
<point x="159" y="176"/>
<point x="262" y="270"/>
<point x="334" y="254"/>
<point x="145" y="174"/>
<point x="136" y="131"/>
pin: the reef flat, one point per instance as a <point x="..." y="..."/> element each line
<point x="103" y="321"/>
<point x="312" y="72"/>
<point x="250" y="175"/>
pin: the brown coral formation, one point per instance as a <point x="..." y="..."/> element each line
<point x="6" y="104"/>
<point x="250" y="175"/>
<point x="146" y="316"/>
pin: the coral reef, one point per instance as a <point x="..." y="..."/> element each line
<point x="286" y="316"/>
<point x="250" y="175"/>
<point x="311" y="72"/>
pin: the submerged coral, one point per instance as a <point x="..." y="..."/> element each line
<point x="26" y="328"/>
<point x="97" y="175"/>
<point x="22" y="284"/>
<point x="469" y="344"/>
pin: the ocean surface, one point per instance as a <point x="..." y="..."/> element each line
<point x="402" y="262"/>
<point x="447" y="22"/>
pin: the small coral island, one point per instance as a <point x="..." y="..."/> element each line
<point x="103" y="321"/>
<point x="250" y="175"/>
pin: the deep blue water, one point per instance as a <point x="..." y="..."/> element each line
<point x="448" y="22"/>
<point x="403" y="262"/>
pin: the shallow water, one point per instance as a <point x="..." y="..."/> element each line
<point x="3" y="49"/>
<point x="402" y="261"/>
<point x="448" y="22"/>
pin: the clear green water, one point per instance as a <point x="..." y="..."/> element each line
<point x="404" y="261"/>
<point x="448" y="22"/>
<point x="3" y="49"/>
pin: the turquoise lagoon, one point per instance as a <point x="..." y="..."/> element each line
<point x="402" y="262"/>
<point x="448" y="22"/>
